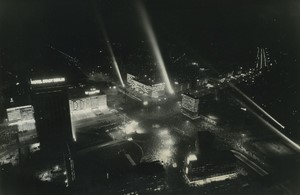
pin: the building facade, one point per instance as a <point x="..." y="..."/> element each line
<point x="145" y="89"/>
<point x="51" y="112"/>
<point x="190" y="106"/>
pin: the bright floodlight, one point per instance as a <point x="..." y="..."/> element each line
<point x="154" y="46"/>
<point x="130" y="127"/>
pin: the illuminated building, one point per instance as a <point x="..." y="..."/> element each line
<point x="19" y="113"/>
<point x="92" y="99"/>
<point x="21" y="116"/>
<point x="95" y="102"/>
<point x="199" y="106"/>
<point x="146" y="89"/>
<point x="51" y="111"/>
<point x="190" y="106"/>
<point x="217" y="166"/>
<point x="213" y="164"/>
<point x="86" y="104"/>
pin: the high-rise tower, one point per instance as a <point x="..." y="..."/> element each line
<point x="51" y="111"/>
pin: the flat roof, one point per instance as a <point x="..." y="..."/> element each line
<point x="146" y="81"/>
<point x="191" y="95"/>
<point x="20" y="107"/>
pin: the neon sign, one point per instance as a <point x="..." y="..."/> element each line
<point x="47" y="81"/>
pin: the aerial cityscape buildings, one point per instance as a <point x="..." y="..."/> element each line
<point x="149" y="97"/>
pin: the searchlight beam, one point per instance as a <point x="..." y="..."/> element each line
<point x="111" y="52"/>
<point x="275" y="130"/>
<point x="154" y="46"/>
<point x="257" y="106"/>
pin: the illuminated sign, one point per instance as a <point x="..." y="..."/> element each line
<point x="21" y="113"/>
<point x="190" y="103"/>
<point x="47" y="81"/>
<point x="92" y="92"/>
<point x="93" y="102"/>
<point x="153" y="91"/>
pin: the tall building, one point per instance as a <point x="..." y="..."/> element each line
<point x="51" y="112"/>
<point x="190" y="105"/>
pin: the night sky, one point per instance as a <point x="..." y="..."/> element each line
<point x="215" y="30"/>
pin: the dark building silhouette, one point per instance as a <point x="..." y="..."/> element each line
<point x="51" y="112"/>
<point x="205" y="143"/>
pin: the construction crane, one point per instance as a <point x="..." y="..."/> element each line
<point x="72" y="60"/>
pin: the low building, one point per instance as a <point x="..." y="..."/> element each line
<point x="93" y="99"/>
<point x="22" y="116"/>
<point x="146" y="88"/>
<point x="218" y="166"/>
<point x="86" y="103"/>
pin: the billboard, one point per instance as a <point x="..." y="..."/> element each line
<point x="21" y="113"/>
<point x="92" y="102"/>
<point x="190" y="103"/>
<point x="153" y="91"/>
